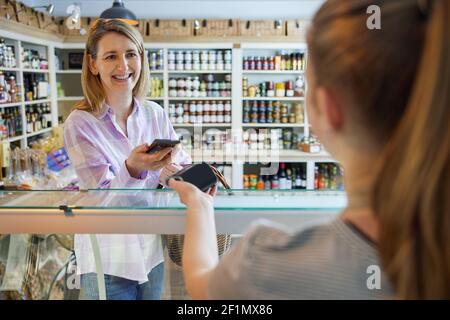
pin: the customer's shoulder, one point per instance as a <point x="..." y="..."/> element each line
<point x="265" y="233"/>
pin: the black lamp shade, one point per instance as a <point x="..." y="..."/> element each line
<point x="118" y="11"/>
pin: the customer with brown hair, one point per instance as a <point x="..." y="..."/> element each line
<point x="379" y="100"/>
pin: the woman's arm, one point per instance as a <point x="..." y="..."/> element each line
<point x="200" y="254"/>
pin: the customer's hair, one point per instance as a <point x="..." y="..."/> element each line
<point x="398" y="82"/>
<point x="94" y="94"/>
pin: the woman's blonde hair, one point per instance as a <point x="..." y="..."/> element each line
<point x="398" y="79"/>
<point x="94" y="94"/>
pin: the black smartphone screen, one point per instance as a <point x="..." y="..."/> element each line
<point x="159" y="144"/>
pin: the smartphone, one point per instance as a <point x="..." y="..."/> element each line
<point x="200" y="175"/>
<point x="159" y="144"/>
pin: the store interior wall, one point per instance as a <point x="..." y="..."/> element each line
<point x="189" y="9"/>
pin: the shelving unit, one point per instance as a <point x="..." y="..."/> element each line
<point x="61" y="105"/>
<point x="21" y="42"/>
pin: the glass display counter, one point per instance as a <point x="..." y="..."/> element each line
<point x="37" y="259"/>
<point x="156" y="211"/>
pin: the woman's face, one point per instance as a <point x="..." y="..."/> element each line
<point x="118" y="63"/>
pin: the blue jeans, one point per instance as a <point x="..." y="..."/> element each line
<point x="124" y="289"/>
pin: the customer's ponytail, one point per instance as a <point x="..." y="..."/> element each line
<point x="412" y="194"/>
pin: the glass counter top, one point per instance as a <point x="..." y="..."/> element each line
<point x="166" y="199"/>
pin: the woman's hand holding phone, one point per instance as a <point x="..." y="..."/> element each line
<point x="139" y="160"/>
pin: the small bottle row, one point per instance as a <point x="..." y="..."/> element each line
<point x="328" y="176"/>
<point x="271" y="139"/>
<point x="10" y="91"/>
<point x="7" y="55"/>
<point x="32" y="60"/>
<point x="156" y="59"/>
<point x="281" y="61"/>
<point x="36" y="86"/>
<point x="10" y="123"/>
<point x="272" y="112"/>
<point x="288" y="177"/>
<point x="274" y="89"/>
<point x="199" y="60"/>
<point x="38" y="117"/>
<point x="210" y="86"/>
<point x="156" y="87"/>
<point x="200" y="112"/>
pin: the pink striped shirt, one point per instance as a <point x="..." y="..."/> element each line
<point x="98" y="148"/>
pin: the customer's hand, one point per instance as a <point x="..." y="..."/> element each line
<point x="190" y="195"/>
<point x="167" y="171"/>
<point x="139" y="160"/>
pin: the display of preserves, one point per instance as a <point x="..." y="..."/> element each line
<point x="210" y="85"/>
<point x="271" y="139"/>
<point x="156" y="87"/>
<point x="10" y="123"/>
<point x="288" y="177"/>
<point x="328" y="176"/>
<point x="272" y="112"/>
<point x="282" y="61"/>
<point x="272" y="89"/>
<point x="7" y="55"/>
<point x="32" y="60"/>
<point x="155" y="59"/>
<point x="199" y="60"/>
<point x="10" y="91"/>
<point x="36" y="86"/>
<point x="200" y="112"/>
<point x="38" y="117"/>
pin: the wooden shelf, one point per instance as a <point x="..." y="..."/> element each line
<point x="70" y="98"/>
<point x="35" y="71"/>
<point x="39" y="132"/>
<point x="7" y="105"/>
<point x="27" y="103"/>
<point x="68" y="71"/>
<point x="9" y="69"/>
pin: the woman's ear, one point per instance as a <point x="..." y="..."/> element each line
<point x="330" y="108"/>
<point x="92" y="65"/>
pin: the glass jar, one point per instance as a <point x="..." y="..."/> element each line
<point x="219" y="65"/>
<point x="171" y="55"/>
<point x="196" y="66"/>
<point x="179" y="57"/>
<point x="172" y="83"/>
<point x="227" y="55"/>
<point x="212" y="56"/>
<point x="180" y="66"/>
<point x="204" y="56"/>
<point x="188" y="56"/>
<point x="188" y="83"/>
<point x="181" y="83"/>
<point x="196" y="83"/>
<point x="195" y="56"/>
<point x="280" y="89"/>
<point x="173" y="92"/>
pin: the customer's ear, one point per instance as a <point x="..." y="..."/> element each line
<point x="330" y="108"/>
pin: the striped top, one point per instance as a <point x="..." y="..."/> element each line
<point x="333" y="261"/>
<point x="98" y="148"/>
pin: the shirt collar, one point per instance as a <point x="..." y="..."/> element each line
<point x="106" y="109"/>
